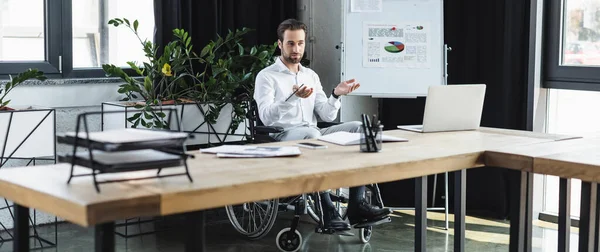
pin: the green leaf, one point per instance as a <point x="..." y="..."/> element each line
<point x="188" y="41"/>
<point x="126" y="21"/>
<point x="144" y="123"/>
<point x="135" y="67"/>
<point x="159" y="124"/>
<point x="148" y="116"/>
<point x="263" y="55"/>
<point x="205" y="50"/>
<point x="135" y="25"/>
<point x="253" y="50"/>
<point x="218" y="70"/>
<point x="147" y="84"/>
<point x="240" y="49"/>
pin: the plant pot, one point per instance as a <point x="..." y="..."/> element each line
<point x="27" y="132"/>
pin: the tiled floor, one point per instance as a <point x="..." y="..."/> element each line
<point x="482" y="235"/>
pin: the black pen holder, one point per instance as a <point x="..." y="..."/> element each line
<point x="371" y="141"/>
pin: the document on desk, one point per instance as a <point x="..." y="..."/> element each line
<point x="241" y="151"/>
<point x="347" y="138"/>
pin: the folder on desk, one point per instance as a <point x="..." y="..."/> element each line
<point x="347" y="138"/>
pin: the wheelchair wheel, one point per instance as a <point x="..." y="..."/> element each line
<point x="365" y="234"/>
<point x="253" y="219"/>
<point x="289" y="241"/>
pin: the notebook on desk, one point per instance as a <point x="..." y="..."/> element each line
<point x="347" y="138"/>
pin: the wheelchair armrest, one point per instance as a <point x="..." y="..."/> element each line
<point x="268" y="129"/>
<point x="321" y="125"/>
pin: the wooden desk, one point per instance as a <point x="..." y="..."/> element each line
<point x="578" y="158"/>
<point x="219" y="182"/>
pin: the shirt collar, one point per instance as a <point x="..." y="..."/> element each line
<point x="283" y="68"/>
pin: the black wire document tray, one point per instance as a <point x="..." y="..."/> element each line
<point x="125" y="139"/>
<point x="126" y="150"/>
<point x="125" y="161"/>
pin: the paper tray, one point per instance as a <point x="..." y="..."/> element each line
<point x="137" y="160"/>
<point x="126" y="139"/>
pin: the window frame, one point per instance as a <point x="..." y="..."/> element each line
<point x="52" y="33"/>
<point x="59" y="46"/>
<point x="556" y="75"/>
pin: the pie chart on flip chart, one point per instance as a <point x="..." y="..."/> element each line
<point x="394" y="47"/>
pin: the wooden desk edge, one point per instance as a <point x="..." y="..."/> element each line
<point x="48" y="203"/>
<point x="508" y="160"/>
<point x="81" y="214"/>
<point x="566" y="169"/>
<point x="181" y="202"/>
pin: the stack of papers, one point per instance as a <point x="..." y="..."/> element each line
<point x="347" y="138"/>
<point x="241" y="151"/>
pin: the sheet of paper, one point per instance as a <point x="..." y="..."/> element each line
<point x="396" y="45"/>
<point x="253" y="151"/>
<point x="366" y="5"/>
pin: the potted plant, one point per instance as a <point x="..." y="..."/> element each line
<point x="220" y="78"/>
<point x="25" y="131"/>
<point x="14" y="82"/>
<point x="166" y="78"/>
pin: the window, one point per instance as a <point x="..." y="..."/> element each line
<point x="570" y="112"/>
<point x="22" y="26"/>
<point x="28" y="37"/>
<point x="33" y="36"/>
<point x="573" y="44"/>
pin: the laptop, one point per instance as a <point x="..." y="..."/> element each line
<point x="451" y="108"/>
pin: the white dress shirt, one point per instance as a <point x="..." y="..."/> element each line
<point x="274" y="85"/>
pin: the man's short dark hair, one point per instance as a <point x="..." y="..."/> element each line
<point x="290" y="24"/>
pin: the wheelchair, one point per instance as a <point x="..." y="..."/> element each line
<point x="254" y="220"/>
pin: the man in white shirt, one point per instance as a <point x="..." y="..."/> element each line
<point x="288" y="95"/>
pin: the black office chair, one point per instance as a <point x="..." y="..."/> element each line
<point x="255" y="219"/>
<point x="259" y="133"/>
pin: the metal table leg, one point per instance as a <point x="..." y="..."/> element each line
<point x="587" y="219"/>
<point x="196" y="235"/>
<point x="564" y="214"/>
<point x="521" y="212"/>
<point x="21" y="232"/>
<point x="421" y="214"/>
<point x="460" y="185"/>
<point x="105" y="237"/>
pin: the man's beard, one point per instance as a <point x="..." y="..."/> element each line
<point x="288" y="58"/>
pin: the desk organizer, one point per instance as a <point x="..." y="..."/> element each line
<point x="124" y="150"/>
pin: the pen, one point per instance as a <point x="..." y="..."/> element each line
<point x="370" y="130"/>
<point x="294" y="92"/>
<point x="365" y="132"/>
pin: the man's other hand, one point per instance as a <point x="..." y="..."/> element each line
<point x="304" y="92"/>
<point x="346" y="87"/>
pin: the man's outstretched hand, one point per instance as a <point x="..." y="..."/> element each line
<point x="304" y="92"/>
<point x="346" y="87"/>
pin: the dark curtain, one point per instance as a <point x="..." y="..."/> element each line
<point x="490" y="45"/>
<point x="204" y="19"/>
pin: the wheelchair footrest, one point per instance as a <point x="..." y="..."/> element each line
<point x="344" y="233"/>
<point x="332" y="231"/>
<point x="373" y="223"/>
